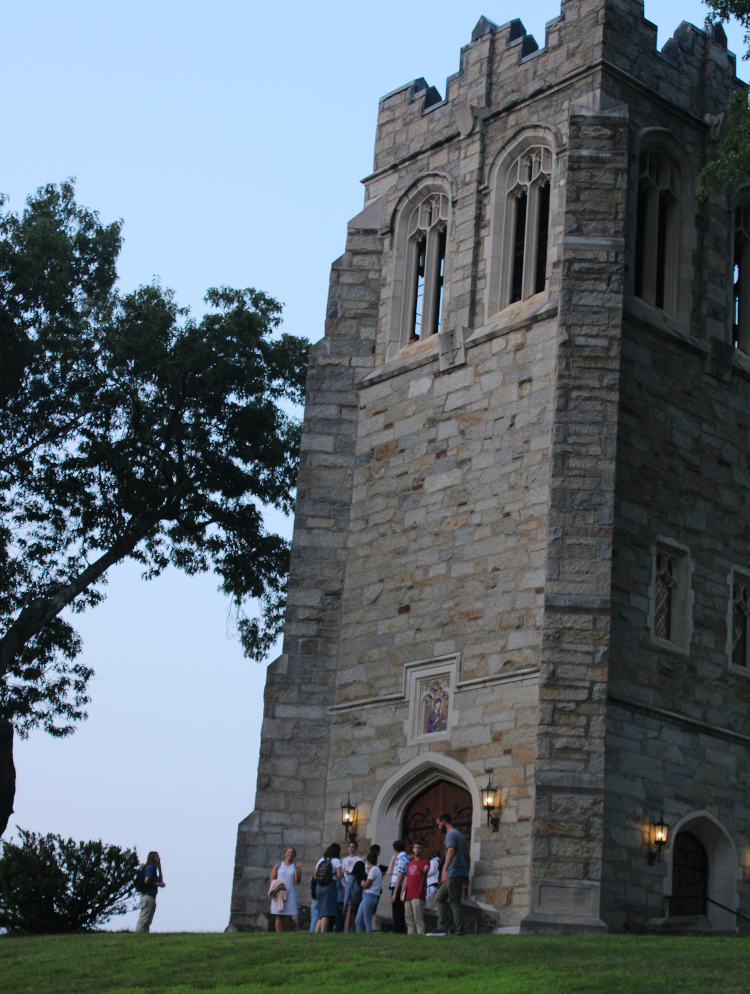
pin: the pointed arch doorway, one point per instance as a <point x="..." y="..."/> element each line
<point x="419" y="816"/>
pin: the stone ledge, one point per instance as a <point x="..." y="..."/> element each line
<point x="664" y="325"/>
<point x="514" y="318"/>
<point x="512" y="676"/>
<point x="534" y="924"/>
<point x="693" y="724"/>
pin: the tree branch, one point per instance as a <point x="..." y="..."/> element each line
<point x="41" y="610"/>
<point x="51" y="436"/>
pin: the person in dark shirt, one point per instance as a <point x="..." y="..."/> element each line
<point x="153" y="880"/>
<point x="453" y="879"/>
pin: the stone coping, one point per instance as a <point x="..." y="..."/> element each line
<point x="642" y="315"/>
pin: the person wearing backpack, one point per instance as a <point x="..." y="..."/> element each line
<point x="327" y="872"/>
<point x="147" y="880"/>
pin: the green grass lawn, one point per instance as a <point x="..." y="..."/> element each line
<point x="372" y="964"/>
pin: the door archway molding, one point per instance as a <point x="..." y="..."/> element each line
<point x="407" y="783"/>
<point x="723" y="866"/>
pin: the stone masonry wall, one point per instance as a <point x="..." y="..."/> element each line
<point x="446" y="553"/>
<point x="683" y="473"/>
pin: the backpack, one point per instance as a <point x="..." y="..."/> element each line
<point x="140" y="880"/>
<point x="324" y="872"/>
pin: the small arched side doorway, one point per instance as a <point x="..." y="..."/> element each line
<point x="419" y="816"/>
<point x="689" y="877"/>
<point x="723" y="869"/>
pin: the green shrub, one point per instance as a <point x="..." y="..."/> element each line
<point x="50" y="885"/>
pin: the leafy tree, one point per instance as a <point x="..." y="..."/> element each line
<point x="49" y="884"/>
<point x="127" y="430"/>
<point x="732" y="160"/>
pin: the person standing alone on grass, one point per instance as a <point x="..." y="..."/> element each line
<point x="454" y="877"/>
<point x="371" y="886"/>
<point x="397" y="870"/>
<point x="152" y="879"/>
<point x="414" y="890"/>
<point x="283" y="892"/>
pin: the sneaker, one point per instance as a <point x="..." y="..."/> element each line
<point x="436" y="933"/>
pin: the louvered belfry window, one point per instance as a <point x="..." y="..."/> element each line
<point x="657" y="232"/>
<point x="527" y="234"/>
<point x="427" y="233"/>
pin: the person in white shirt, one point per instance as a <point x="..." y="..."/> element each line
<point x="433" y="876"/>
<point x="347" y="863"/>
<point x="371" y="888"/>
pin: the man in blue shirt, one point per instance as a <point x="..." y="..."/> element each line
<point x="397" y="869"/>
<point x="454" y="878"/>
<point x="152" y="879"/>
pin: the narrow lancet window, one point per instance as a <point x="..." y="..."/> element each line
<point x="542" y="237"/>
<point x="527" y="225"/>
<point x="665" y="584"/>
<point x="740" y="611"/>
<point x="519" y="244"/>
<point x="742" y="279"/>
<point x="442" y="238"/>
<point x="420" y="251"/>
<point x="425" y="267"/>
<point x="657" y="236"/>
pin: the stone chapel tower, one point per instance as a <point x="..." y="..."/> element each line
<point x="522" y="538"/>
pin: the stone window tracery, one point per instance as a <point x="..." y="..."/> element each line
<point x="527" y="224"/>
<point x="740" y="613"/>
<point x="424" y="275"/>
<point x="741" y="316"/>
<point x="657" y="238"/>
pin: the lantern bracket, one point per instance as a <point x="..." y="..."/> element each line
<point x="348" y="813"/>
<point x="659" y="831"/>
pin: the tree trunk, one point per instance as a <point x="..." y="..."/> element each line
<point x="7" y="773"/>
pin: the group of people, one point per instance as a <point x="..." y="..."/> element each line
<point x="345" y="892"/>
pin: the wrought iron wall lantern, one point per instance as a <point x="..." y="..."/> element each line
<point x="490" y="802"/>
<point x="658" y="833"/>
<point x="348" y="812"/>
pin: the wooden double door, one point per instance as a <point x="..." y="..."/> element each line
<point x="419" y="818"/>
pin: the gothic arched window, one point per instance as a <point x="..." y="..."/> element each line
<point x="426" y="230"/>
<point x="527" y="187"/>
<point x="741" y="315"/>
<point x="657" y="236"/>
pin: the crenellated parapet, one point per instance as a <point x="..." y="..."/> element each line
<point x="503" y="66"/>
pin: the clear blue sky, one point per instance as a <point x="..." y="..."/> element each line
<point x="231" y="138"/>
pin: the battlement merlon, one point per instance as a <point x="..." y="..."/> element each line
<point x="503" y="68"/>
